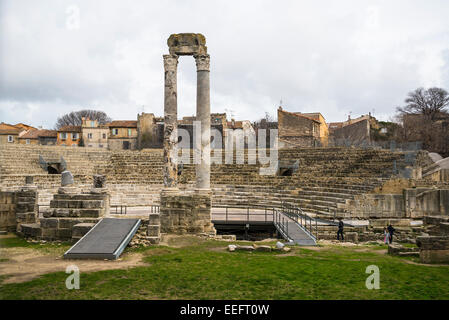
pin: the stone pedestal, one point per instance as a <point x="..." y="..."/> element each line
<point x="184" y="213"/>
<point x="68" y="210"/>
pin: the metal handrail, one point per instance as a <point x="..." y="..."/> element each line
<point x="306" y="222"/>
<point x="268" y="211"/>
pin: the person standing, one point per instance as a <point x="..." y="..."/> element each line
<point x="386" y="236"/>
<point x="340" y="230"/>
<point x="391" y="231"/>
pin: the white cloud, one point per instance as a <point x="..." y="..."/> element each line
<point x="327" y="56"/>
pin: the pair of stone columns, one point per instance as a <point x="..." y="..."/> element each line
<point x="202" y="145"/>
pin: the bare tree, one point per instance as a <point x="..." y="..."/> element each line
<point x="74" y="118"/>
<point x="428" y="102"/>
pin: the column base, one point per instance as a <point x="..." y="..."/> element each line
<point x="186" y="213"/>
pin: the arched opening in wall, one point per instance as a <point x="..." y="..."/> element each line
<point x="52" y="170"/>
<point x="287" y="172"/>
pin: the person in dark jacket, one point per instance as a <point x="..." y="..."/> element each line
<point x="391" y="230"/>
<point x="340" y="230"/>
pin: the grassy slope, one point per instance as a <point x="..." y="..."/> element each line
<point x="205" y="271"/>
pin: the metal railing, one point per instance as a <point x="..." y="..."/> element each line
<point x="123" y="208"/>
<point x="295" y="213"/>
<point x="267" y="214"/>
<point x="155" y="208"/>
<point x="281" y="223"/>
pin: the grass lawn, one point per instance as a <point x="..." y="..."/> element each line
<point x="202" y="269"/>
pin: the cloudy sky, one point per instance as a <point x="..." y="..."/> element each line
<point x="334" y="57"/>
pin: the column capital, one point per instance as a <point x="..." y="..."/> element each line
<point x="202" y="62"/>
<point x="170" y="62"/>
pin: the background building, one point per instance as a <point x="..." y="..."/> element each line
<point x="69" y="136"/>
<point x="122" y="135"/>
<point x="93" y="134"/>
<point x="296" y="129"/>
<point x="9" y="133"/>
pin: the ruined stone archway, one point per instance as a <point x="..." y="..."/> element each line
<point x="183" y="212"/>
<point x="187" y="44"/>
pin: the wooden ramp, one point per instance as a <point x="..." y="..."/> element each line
<point x="106" y="240"/>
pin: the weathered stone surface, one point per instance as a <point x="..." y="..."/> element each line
<point x="279" y="245"/>
<point x="154" y="230"/>
<point x="170" y="121"/>
<point x="245" y="248"/>
<point x="99" y="181"/>
<point x="433" y="249"/>
<point x="31" y="230"/>
<point x="68" y="190"/>
<point x="66" y="178"/>
<point x="186" y="213"/>
<point x="187" y="44"/>
<point x="80" y="229"/>
<point x="154" y="219"/>
<point x="229" y="237"/>
<point x="263" y="248"/>
<point x="202" y="145"/>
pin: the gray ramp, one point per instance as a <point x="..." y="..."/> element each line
<point x="106" y="240"/>
<point x="296" y="233"/>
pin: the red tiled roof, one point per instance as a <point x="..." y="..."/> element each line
<point x="35" y="134"/>
<point x="9" y="129"/>
<point x="122" y="124"/>
<point x="300" y="115"/>
<point x="70" y="129"/>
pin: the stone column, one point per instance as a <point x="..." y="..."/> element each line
<point x="170" y="121"/>
<point x="203" y="115"/>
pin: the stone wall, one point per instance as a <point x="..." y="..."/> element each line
<point x="26" y="208"/>
<point x="412" y="203"/>
<point x="67" y="211"/>
<point x="353" y="134"/>
<point x="8" y="211"/>
<point x="186" y="213"/>
<point x="298" y="130"/>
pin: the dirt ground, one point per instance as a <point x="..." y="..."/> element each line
<point x="25" y="264"/>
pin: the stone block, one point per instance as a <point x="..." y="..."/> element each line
<point x="49" y="234"/>
<point x="244" y="248"/>
<point x="352" y="237"/>
<point x="434" y="256"/>
<point x="66" y="178"/>
<point x="263" y="248"/>
<point x="64" y="234"/>
<point x="154" y="230"/>
<point x="80" y="229"/>
<point x="49" y="223"/>
<point x="31" y="230"/>
<point x="154" y="219"/>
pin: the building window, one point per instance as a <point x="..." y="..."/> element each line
<point x="101" y="146"/>
<point x="92" y="124"/>
<point x="63" y="135"/>
<point x="129" y="132"/>
<point x="104" y="135"/>
<point x="114" y="132"/>
<point x="27" y="141"/>
<point x="74" y="136"/>
<point x="89" y="136"/>
<point x="10" y="139"/>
